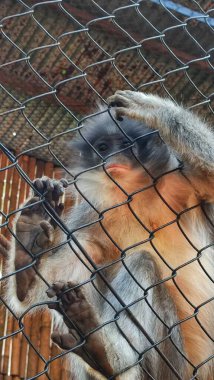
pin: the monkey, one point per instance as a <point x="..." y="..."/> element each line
<point x="130" y="268"/>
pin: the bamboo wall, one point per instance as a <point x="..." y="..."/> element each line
<point x="18" y="360"/>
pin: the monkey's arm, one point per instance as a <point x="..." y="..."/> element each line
<point x="185" y="132"/>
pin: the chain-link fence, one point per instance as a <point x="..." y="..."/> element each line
<point x="59" y="58"/>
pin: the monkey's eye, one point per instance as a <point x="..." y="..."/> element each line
<point x="102" y="147"/>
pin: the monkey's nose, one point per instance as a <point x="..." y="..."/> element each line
<point x="116" y="168"/>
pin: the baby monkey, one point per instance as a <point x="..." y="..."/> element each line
<point x="132" y="272"/>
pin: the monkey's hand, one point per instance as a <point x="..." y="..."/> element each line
<point x="77" y="312"/>
<point x="35" y="230"/>
<point x="140" y="106"/>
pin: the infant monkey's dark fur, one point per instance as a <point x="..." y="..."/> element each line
<point x="139" y="191"/>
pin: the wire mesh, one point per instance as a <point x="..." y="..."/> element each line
<point x="59" y="58"/>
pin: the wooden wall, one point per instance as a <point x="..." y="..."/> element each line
<point x="18" y="360"/>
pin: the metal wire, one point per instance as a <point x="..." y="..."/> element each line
<point x="58" y="58"/>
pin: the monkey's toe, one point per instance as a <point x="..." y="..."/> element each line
<point x="68" y="294"/>
<point x="56" y="289"/>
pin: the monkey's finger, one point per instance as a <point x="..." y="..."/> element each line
<point x="57" y="191"/>
<point x="77" y="291"/>
<point x="40" y="184"/>
<point x="43" y="184"/>
<point x="47" y="236"/>
<point x="48" y="184"/>
<point x="130" y="99"/>
<point x="67" y="295"/>
<point x="51" y="292"/>
<point x="120" y="112"/>
<point x="118" y="100"/>
<point x="59" y="209"/>
<point x="64" y="182"/>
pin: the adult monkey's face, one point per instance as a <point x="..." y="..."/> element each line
<point x="118" y="147"/>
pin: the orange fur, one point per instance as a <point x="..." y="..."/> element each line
<point x="160" y="223"/>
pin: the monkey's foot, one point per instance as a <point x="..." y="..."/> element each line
<point x="137" y="105"/>
<point x="76" y="310"/>
<point x="78" y="313"/>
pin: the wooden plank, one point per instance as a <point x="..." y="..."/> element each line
<point x="45" y="330"/>
<point x="7" y="344"/>
<point x="2" y="177"/>
<point x="2" y="329"/>
<point x="33" y="358"/>
<point x="40" y="165"/>
<point x="24" y="348"/>
<point x="6" y="194"/>
<point x="32" y="167"/>
<point x="23" y="162"/>
<point x="16" y="350"/>
<point x="49" y="169"/>
<point x="55" y="367"/>
<point x="13" y="188"/>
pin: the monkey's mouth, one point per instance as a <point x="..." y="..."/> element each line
<point x="116" y="168"/>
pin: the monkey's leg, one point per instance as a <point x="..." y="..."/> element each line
<point x="35" y="232"/>
<point x="77" y="309"/>
<point x="185" y="132"/>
